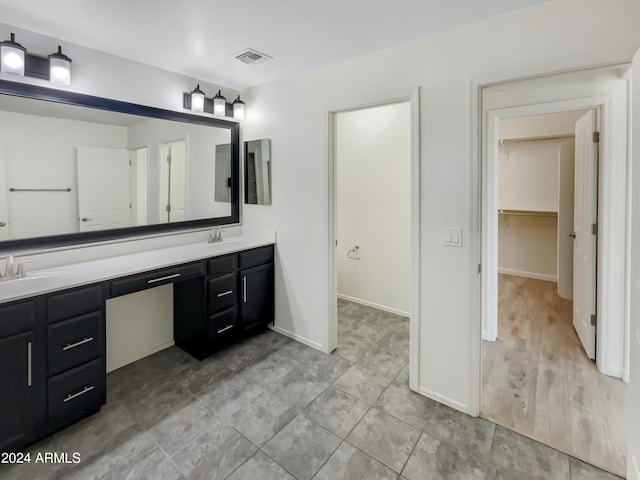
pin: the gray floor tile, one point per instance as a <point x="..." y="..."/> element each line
<point x="215" y="454"/>
<point x="386" y="364"/>
<point x="266" y="371"/>
<point x="406" y="405"/>
<point x="229" y="394"/>
<point x="34" y="470"/>
<point x="198" y="377"/>
<point x="240" y="356"/>
<point x="130" y="456"/>
<point x="97" y="432"/>
<point x="302" y="447"/>
<point x="403" y="376"/>
<point x="329" y="367"/>
<point x="435" y="459"/>
<point x="471" y="434"/>
<point x="160" y="398"/>
<point x="395" y="342"/>
<point x="261" y="467"/>
<point x="178" y="427"/>
<point x="584" y="471"/>
<point x="299" y="389"/>
<point x="513" y="451"/>
<point x="262" y="417"/>
<point x="336" y="410"/>
<point x="268" y="340"/>
<point x="349" y="463"/>
<point x="362" y="383"/>
<point x="385" y="438"/>
<point x="353" y="348"/>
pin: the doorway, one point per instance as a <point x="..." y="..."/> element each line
<point x="538" y="373"/>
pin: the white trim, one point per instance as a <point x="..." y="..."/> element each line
<point x="446" y="400"/>
<point x="413" y="97"/>
<point x="373" y="305"/>
<point x="534" y="275"/>
<point x="634" y="469"/>
<point x="299" y="338"/>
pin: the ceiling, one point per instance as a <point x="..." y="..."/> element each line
<point x="199" y="38"/>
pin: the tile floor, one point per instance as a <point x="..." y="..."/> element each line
<point x="537" y="380"/>
<point x="273" y="409"/>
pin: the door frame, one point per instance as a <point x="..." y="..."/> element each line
<point x="614" y="272"/>
<point x="413" y="98"/>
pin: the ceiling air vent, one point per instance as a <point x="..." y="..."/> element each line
<point x="251" y="57"/>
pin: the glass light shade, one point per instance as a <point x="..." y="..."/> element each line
<point x="59" y="68"/>
<point x="238" y="109"/>
<point x="12" y="57"/>
<point x="219" y="104"/>
<point x="197" y="100"/>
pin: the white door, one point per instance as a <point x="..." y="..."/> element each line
<point x="4" y="201"/>
<point x="103" y="188"/>
<point x="585" y="217"/>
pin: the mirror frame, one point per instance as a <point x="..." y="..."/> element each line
<point x="100" y="103"/>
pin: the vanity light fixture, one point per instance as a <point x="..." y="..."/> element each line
<point x="219" y="104"/>
<point x="15" y="60"/>
<point x="59" y="68"/>
<point x="238" y="109"/>
<point x="12" y="57"/>
<point x="197" y="100"/>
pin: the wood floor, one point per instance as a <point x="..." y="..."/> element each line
<point x="537" y="380"/>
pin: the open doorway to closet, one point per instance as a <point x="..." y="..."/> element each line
<point x="372" y="152"/>
<point x="539" y="372"/>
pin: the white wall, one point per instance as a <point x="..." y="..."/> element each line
<point x="633" y="399"/>
<point x="40" y="152"/>
<point x="373" y="162"/>
<point x="292" y="112"/>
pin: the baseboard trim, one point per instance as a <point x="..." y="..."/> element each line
<point x="534" y="275"/>
<point x="485" y="336"/>
<point x="299" y="338"/>
<point x="634" y="469"/>
<point x="373" y="305"/>
<point x="151" y="351"/>
<point x="626" y="375"/>
<point x="446" y="400"/>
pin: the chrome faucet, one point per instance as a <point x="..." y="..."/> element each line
<point x="14" y="269"/>
<point x="216" y="235"/>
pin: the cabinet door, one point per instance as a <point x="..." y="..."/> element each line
<point x="16" y="382"/>
<point x="256" y="301"/>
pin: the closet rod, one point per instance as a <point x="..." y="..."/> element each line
<point x="536" y="139"/>
<point x="39" y="189"/>
<point x="528" y="213"/>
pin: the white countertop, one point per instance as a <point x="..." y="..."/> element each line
<point x="61" y="277"/>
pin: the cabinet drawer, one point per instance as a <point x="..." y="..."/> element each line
<point x="73" y="303"/>
<point x="222" y="293"/>
<point x="75" y="341"/>
<point x="222" y="328"/>
<point x="155" y="279"/>
<point x="222" y="265"/>
<point x="257" y="256"/>
<point x="76" y="393"/>
<point x="16" y="318"/>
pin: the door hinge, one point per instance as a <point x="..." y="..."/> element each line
<point x="168" y="158"/>
<point x="130" y="163"/>
<point x="596" y="137"/>
<point x="594" y="228"/>
<point x="168" y="208"/>
<point x="130" y="206"/>
<point x="479" y="268"/>
<point x="594" y="320"/>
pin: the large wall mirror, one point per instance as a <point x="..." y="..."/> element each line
<point x="77" y="168"/>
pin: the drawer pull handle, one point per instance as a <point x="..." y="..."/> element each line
<point x="175" y="275"/>
<point x="69" y="346"/>
<point x="244" y="289"/>
<point x="81" y="392"/>
<point x="29" y="365"/>
<point x="228" y="292"/>
<point x="228" y="327"/>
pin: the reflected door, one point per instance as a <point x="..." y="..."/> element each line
<point x="4" y="201"/>
<point x="103" y="188"/>
<point x="174" y="180"/>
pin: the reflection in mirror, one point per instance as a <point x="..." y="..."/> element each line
<point x="257" y="172"/>
<point x="223" y="173"/>
<point x="69" y="168"/>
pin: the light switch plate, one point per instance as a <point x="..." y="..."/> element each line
<point x="452" y="237"/>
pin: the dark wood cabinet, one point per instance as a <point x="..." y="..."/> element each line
<point x="256" y="307"/>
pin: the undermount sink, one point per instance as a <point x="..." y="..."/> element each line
<point x="37" y="279"/>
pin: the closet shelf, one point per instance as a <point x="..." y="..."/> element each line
<point x="528" y="213"/>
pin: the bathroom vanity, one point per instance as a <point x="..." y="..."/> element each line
<point x="52" y="324"/>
